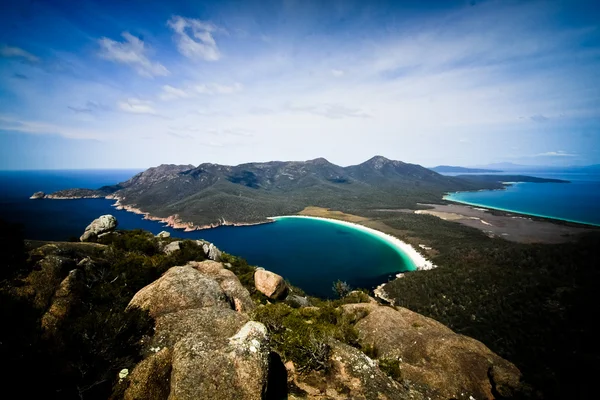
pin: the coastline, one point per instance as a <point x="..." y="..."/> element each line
<point x="447" y="197"/>
<point x="174" y="221"/>
<point x="405" y="250"/>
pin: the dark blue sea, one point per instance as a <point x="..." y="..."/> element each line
<point x="312" y="254"/>
<point x="578" y="201"/>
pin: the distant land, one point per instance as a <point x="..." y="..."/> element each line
<point x="442" y="169"/>
<point x="507" y="166"/>
<point x="209" y="195"/>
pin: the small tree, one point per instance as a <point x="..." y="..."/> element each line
<point x="341" y="288"/>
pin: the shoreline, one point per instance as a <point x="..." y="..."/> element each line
<point x="405" y="250"/>
<point x="174" y="221"/>
<point x="519" y="213"/>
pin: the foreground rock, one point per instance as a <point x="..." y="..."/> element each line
<point x="238" y="295"/>
<point x="38" y="195"/>
<point x="163" y="234"/>
<point x="180" y="288"/>
<point x="432" y="355"/>
<point x="204" y="348"/>
<point x="104" y="224"/>
<point x="270" y="284"/>
<point x="236" y="370"/>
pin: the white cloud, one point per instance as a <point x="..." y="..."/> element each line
<point x="215" y="88"/>
<point x="172" y="93"/>
<point x="137" y="106"/>
<point x="201" y="44"/>
<point x="131" y="52"/>
<point x="337" y="73"/>
<point x="558" y="153"/>
<point x="9" y="123"/>
<point x="17" y="52"/>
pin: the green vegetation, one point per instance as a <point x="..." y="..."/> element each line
<point x="532" y="304"/>
<point x="252" y="192"/>
<point x="100" y="338"/>
<point x="302" y="334"/>
<point x="392" y="368"/>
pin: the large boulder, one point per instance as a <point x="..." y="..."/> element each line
<point x="103" y="224"/>
<point x="238" y="295"/>
<point x="270" y="284"/>
<point x="180" y="288"/>
<point x="433" y="356"/>
<point x="163" y="234"/>
<point x="236" y="369"/>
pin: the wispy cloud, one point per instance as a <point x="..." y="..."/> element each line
<point x="17" y="52"/>
<point x="337" y="73"/>
<point x="20" y="76"/>
<point x="558" y="153"/>
<point x="8" y="123"/>
<point x="89" y="107"/>
<point x="195" y="39"/>
<point x="132" y="52"/>
<point x="334" y="111"/>
<point x="173" y="93"/>
<point x="137" y="106"/>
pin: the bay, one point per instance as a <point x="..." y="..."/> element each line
<point x="577" y="201"/>
<point x="311" y="254"/>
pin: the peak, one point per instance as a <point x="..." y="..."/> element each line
<point x="319" y="160"/>
<point x="378" y="159"/>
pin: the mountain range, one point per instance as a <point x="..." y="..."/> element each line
<point x="213" y="194"/>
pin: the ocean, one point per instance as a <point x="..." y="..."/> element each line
<point x="578" y="201"/>
<point x="309" y="253"/>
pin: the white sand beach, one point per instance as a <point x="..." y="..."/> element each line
<point x="418" y="261"/>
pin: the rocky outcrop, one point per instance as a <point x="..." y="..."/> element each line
<point x="38" y="195"/>
<point x="238" y="295"/>
<point x="150" y="379"/>
<point x="204" y="348"/>
<point x="295" y="301"/>
<point x="210" y="250"/>
<point x="270" y="284"/>
<point x="432" y="355"/>
<point x="65" y="296"/>
<point x="172" y="247"/>
<point x="103" y="224"/>
<point x="234" y="369"/>
<point x="163" y="234"/>
<point x="180" y="288"/>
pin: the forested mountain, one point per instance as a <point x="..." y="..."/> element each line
<point x="246" y="193"/>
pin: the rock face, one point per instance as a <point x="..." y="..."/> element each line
<point x="180" y="288"/>
<point x="67" y="293"/>
<point x="38" y="195"/>
<point x="104" y="224"/>
<point x="163" y="234"/>
<point x="204" y="348"/>
<point x="432" y="355"/>
<point x="238" y="296"/>
<point x="270" y="284"/>
<point x="236" y="369"/>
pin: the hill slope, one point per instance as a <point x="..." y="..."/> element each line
<point x="249" y="193"/>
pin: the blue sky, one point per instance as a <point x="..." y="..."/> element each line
<point x="131" y="83"/>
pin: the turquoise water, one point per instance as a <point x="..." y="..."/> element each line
<point x="312" y="254"/>
<point x="578" y="201"/>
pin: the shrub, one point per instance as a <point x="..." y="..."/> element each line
<point x="391" y="368"/>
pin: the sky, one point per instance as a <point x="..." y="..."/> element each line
<point x="138" y="83"/>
